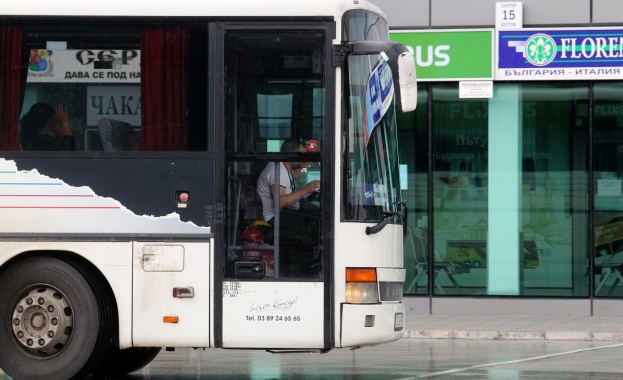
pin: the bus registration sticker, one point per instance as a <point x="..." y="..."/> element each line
<point x="398" y="321"/>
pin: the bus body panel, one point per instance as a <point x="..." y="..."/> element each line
<point x="390" y="274"/>
<point x="129" y="195"/>
<point x="377" y="250"/>
<point x="141" y="321"/>
<point x="240" y="8"/>
<point x="273" y="314"/>
<point x="355" y="332"/>
<point x="96" y="196"/>
<point x="158" y="269"/>
<point x="46" y="199"/>
<point x="372" y="251"/>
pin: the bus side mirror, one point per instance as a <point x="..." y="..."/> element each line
<point x="405" y="78"/>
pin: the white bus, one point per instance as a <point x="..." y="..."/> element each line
<point x="133" y="135"/>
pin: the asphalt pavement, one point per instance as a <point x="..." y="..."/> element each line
<point x="514" y="327"/>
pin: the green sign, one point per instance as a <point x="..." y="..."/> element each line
<point x="449" y="55"/>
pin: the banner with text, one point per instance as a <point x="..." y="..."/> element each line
<point x="560" y="54"/>
<point x="84" y="66"/>
<point x="121" y="103"/>
<point x="457" y="54"/>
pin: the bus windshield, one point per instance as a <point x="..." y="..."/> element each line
<point x="373" y="184"/>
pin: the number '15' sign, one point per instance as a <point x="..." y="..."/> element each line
<point x="509" y="15"/>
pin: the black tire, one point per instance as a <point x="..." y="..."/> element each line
<point x="121" y="362"/>
<point x="53" y="320"/>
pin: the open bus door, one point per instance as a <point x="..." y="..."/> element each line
<point x="274" y="262"/>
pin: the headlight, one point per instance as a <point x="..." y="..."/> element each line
<point x="362" y="292"/>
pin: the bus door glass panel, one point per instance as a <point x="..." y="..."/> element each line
<point x="274" y="118"/>
<point x="373" y="182"/>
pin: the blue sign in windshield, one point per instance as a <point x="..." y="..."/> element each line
<point x="379" y="96"/>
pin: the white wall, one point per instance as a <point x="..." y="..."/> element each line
<point x="404" y="14"/>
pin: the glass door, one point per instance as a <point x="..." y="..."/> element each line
<point x="608" y="195"/>
<point x="274" y="257"/>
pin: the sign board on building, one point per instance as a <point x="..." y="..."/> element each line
<point x="560" y="54"/>
<point x="476" y="89"/>
<point x="509" y="15"/>
<point x="450" y="55"/>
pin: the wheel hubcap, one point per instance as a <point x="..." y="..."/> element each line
<point x="43" y="321"/>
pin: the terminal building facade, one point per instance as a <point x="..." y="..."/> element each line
<point x="514" y="156"/>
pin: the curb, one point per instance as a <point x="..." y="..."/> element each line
<point x="514" y="335"/>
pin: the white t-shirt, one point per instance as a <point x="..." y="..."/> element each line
<point x="266" y="180"/>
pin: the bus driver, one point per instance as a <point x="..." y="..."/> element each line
<point x="289" y="195"/>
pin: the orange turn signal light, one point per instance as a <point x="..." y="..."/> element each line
<point x="170" y="319"/>
<point x="360" y="275"/>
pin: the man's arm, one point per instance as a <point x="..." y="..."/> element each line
<point x="287" y="200"/>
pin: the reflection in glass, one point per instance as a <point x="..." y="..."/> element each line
<point x="460" y="189"/>
<point x="413" y="149"/>
<point x="543" y="253"/>
<point x="554" y="188"/>
<point x="608" y="175"/>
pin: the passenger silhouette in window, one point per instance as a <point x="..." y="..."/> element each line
<point x="45" y="128"/>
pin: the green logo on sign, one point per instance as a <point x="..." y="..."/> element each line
<point x="540" y="49"/>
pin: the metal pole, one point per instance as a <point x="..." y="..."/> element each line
<point x="276" y="198"/>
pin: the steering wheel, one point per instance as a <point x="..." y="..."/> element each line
<point x="314" y="197"/>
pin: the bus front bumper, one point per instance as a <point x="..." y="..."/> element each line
<point x="365" y="325"/>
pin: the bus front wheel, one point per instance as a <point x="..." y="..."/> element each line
<point x="52" y="320"/>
